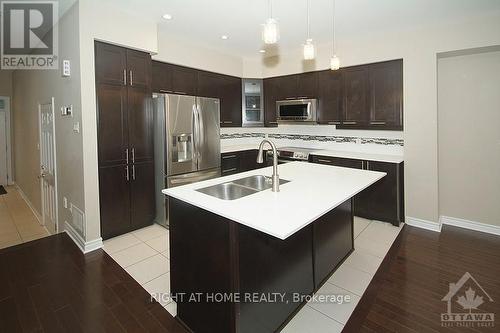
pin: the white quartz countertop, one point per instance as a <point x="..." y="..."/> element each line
<point x="326" y="152"/>
<point x="313" y="190"/>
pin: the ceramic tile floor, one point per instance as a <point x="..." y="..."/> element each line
<point x="144" y="255"/>
<point x="18" y="224"/>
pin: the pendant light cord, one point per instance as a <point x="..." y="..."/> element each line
<point x="308" y="21"/>
<point x="333" y="27"/>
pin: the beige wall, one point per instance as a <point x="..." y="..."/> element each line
<point x="5" y="82"/>
<point x="469" y="137"/>
<point x="418" y="48"/>
<point x="102" y="21"/>
<point x="31" y="87"/>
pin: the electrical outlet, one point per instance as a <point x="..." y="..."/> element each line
<point x="66" y="68"/>
<point x="76" y="127"/>
<point x="65" y="202"/>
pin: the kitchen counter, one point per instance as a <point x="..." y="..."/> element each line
<point x="326" y="152"/>
<point x="313" y="190"/>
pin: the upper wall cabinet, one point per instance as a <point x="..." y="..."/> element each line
<point x="373" y="96"/>
<point x="385" y="82"/>
<point x="329" y="97"/>
<point x="172" y="79"/>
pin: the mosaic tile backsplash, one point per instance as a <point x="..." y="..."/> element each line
<point x="319" y="138"/>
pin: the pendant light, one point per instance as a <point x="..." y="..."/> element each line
<point x="308" y="46"/>
<point x="334" y="61"/>
<point x="270" y="29"/>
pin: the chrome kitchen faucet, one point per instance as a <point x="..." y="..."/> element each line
<point x="260" y="159"/>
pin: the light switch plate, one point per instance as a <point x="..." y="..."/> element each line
<point x="66" y="68"/>
<point x="76" y="127"/>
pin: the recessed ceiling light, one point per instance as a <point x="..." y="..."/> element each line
<point x="224" y="37"/>
<point x="262" y="51"/>
<point x="167" y="17"/>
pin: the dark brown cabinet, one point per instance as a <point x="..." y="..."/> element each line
<point x="329" y="97"/>
<point x="271" y="90"/>
<point x="239" y="161"/>
<point x="373" y="96"/>
<point x="355" y="99"/>
<point x="382" y="201"/>
<point x="174" y="79"/>
<point x="386" y="95"/>
<point x="125" y="139"/>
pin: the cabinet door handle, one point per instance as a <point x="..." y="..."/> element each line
<point x="133" y="171"/>
<point x="349" y="123"/>
<point x="324" y="161"/>
<point x="273" y="122"/>
<point x="228" y="122"/>
<point x="302" y="97"/>
<point x="133" y="155"/>
<point x="228" y="156"/>
<point x="290" y="97"/>
<point x="127" y="173"/>
<point x="334" y="123"/>
<point x="377" y="122"/>
<point x="126" y="155"/>
<point x="229" y="170"/>
<point x="367" y="165"/>
<point x="124" y="77"/>
<point x="179" y="92"/>
<point x="165" y="91"/>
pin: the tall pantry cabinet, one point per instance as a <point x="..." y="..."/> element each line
<point x="125" y="139"/>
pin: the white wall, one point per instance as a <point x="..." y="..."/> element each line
<point x="31" y="87"/>
<point x="105" y="22"/>
<point x="469" y="137"/>
<point x="418" y="48"/>
<point x="175" y="51"/>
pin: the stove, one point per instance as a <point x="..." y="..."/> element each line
<point x="295" y="153"/>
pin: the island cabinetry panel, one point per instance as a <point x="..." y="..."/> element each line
<point x="332" y="241"/>
<point x="125" y="139"/>
<point x="210" y="254"/>
<point x="382" y="201"/>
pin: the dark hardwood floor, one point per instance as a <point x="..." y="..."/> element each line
<point x="48" y="285"/>
<point x="407" y="291"/>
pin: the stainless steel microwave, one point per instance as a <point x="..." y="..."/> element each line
<point x="296" y="110"/>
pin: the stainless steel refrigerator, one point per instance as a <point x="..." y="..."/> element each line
<point x="187" y="144"/>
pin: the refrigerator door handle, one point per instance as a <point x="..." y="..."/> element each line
<point x="195" y="135"/>
<point x="201" y="137"/>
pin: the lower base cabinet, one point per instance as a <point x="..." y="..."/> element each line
<point x="235" y="260"/>
<point x="382" y="201"/>
<point x="127" y="201"/>
<point x="239" y="161"/>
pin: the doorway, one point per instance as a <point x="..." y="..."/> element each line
<point x="48" y="165"/>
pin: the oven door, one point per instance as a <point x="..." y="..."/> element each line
<point x="303" y="110"/>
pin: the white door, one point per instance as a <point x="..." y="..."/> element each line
<point x="48" y="170"/>
<point x="3" y="142"/>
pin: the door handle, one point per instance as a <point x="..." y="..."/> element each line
<point x="124" y="77"/>
<point x="126" y="155"/>
<point x="133" y="171"/>
<point x="133" y="155"/>
<point x="349" y="122"/>
<point x="131" y="78"/>
<point x="324" y="161"/>
<point x="127" y="173"/>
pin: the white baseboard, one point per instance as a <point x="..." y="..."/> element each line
<point x="424" y="224"/>
<point x="30" y="205"/>
<point x="84" y="246"/>
<point x="472" y="225"/>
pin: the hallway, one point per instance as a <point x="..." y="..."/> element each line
<point x="18" y="224"/>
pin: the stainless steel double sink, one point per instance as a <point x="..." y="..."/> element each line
<point x="239" y="188"/>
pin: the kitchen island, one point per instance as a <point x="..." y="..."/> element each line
<point x="245" y="265"/>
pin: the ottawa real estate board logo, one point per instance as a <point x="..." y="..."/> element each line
<point x="29" y="35"/>
<point x="464" y="300"/>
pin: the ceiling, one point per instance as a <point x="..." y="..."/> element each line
<point x="203" y="22"/>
